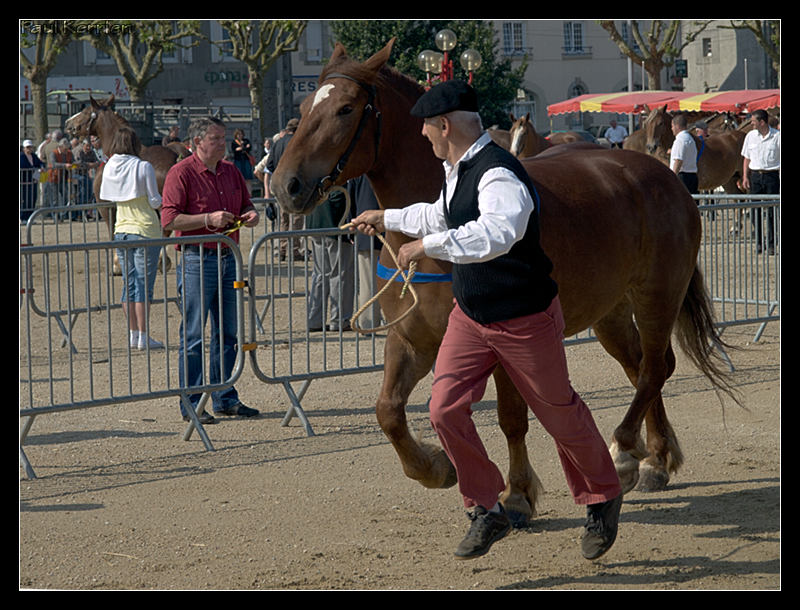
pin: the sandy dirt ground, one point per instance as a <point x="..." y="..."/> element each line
<point x="121" y="501"/>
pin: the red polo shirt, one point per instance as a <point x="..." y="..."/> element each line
<point x="191" y="188"/>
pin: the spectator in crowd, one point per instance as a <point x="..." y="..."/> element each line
<point x="242" y="159"/>
<point x="616" y="134"/>
<point x="203" y="195"/>
<point x="48" y="145"/>
<point x="259" y="171"/>
<point x="368" y="251"/>
<point x="59" y="173"/>
<point x="30" y="167"/>
<point x="97" y="145"/>
<point x="41" y="151"/>
<point x="172" y="136"/>
<point x="288" y="222"/>
<point x="761" y="174"/>
<point x="87" y="163"/>
<point x="332" y="278"/>
<point x="683" y="154"/>
<point x="130" y="182"/>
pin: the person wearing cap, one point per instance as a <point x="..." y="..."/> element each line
<point x="506" y="312"/>
<point x="30" y="165"/>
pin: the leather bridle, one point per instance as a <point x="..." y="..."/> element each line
<point x="369" y="110"/>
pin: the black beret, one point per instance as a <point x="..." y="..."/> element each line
<point x="446" y="97"/>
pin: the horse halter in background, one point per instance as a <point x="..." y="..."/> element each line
<point x="369" y="108"/>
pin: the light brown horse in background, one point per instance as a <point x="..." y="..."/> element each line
<point x="622" y="231"/>
<point x="525" y="140"/>
<point x="720" y="156"/>
<point x="99" y="119"/>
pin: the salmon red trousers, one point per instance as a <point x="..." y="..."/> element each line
<point x="531" y="350"/>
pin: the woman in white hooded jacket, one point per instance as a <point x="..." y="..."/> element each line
<point x="130" y="182"/>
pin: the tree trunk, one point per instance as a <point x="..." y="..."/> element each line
<point x="39" y="100"/>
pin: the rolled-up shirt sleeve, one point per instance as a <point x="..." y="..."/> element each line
<point x="505" y="206"/>
<point x="416" y="220"/>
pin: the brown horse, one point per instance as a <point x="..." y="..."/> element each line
<point x="622" y="232"/>
<point x="501" y="137"/>
<point x="99" y="119"/>
<point x="525" y="140"/>
<point x="720" y="158"/>
<point x="564" y="137"/>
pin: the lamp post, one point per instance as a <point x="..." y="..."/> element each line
<point x="441" y="64"/>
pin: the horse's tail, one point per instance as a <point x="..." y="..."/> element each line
<point x="698" y="337"/>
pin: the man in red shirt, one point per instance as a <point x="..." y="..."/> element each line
<point x="204" y="195"/>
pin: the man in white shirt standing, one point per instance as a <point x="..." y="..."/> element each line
<point x="761" y="172"/>
<point x="683" y="154"/>
<point x="486" y="223"/>
<point x="616" y="135"/>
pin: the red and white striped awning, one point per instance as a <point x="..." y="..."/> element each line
<point x="740" y="101"/>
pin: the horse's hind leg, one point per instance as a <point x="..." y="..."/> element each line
<point x="523" y="487"/>
<point x="647" y="364"/>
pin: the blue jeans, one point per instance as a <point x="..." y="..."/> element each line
<point x="138" y="270"/>
<point x="197" y="271"/>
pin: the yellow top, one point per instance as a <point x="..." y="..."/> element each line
<point x="138" y="218"/>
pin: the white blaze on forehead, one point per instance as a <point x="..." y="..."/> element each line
<point x="323" y="92"/>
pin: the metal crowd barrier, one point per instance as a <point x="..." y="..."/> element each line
<point x="55" y="187"/>
<point x="742" y="274"/>
<point x="101" y="368"/>
<point x="290" y="350"/>
<point x="740" y="257"/>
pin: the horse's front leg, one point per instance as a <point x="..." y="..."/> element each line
<point x="404" y="366"/>
<point x="523" y="488"/>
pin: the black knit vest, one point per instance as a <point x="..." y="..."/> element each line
<point x="515" y="284"/>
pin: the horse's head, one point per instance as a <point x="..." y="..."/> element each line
<point x="338" y="137"/>
<point x="519" y="133"/>
<point x="658" y="127"/>
<point x="85" y="122"/>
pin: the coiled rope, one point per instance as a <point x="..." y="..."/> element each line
<point x="407" y="277"/>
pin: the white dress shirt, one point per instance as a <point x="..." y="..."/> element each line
<point x="505" y="205"/>
<point x="764" y="152"/>
<point x="685" y="149"/>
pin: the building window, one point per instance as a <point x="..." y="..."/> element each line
<point x="573" y="39"/>
<point x="313" y="36"/>
<point x="576" y="89"/>
<point x="223" y="49"/>
<point x="513" y="38"/>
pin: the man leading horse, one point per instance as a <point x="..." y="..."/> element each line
<point x="507" y="311"/>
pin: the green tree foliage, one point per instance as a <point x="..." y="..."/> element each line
<point x="495" y="81"/>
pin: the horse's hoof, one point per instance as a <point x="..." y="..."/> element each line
<point x="627" y="468"/>
<point x="451" y="478"/>
<point x="652" y="479"/>
<point x="518" y="520"/>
